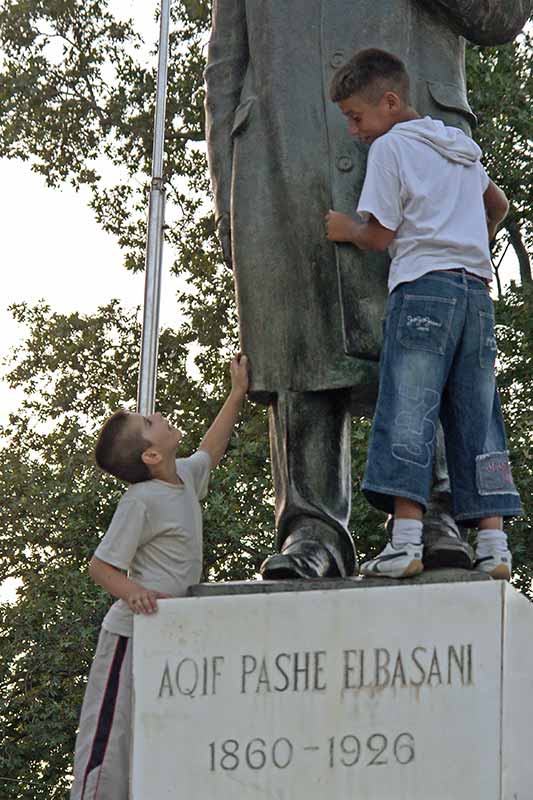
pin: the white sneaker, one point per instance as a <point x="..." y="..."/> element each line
<point x="497" y="565"/>
<point x="395" y="562"/>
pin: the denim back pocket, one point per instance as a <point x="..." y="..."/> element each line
<point x="487" y="340"/>
<point x="425" y="322"/>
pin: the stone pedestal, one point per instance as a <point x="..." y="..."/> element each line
<point x="418" y="691"/>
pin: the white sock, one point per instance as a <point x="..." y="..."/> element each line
<point x="406" y="531"/>
<point x="490" y="540"/>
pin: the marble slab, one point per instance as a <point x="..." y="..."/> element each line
<point x="411" y="692"/>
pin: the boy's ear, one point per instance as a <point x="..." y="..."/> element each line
<point x="151" y="457"/>
<point x="393" y="100"/>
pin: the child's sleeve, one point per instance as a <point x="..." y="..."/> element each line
<point x="381" y="194"/>
<point x="485" y="180"/>
<point x="124" y="534"/>
<point x="198" y="466"/>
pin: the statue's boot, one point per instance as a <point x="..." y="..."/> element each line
<point x="444" y="544"/>
<point x="310" y="448"/>
<point x="311" y="550"/>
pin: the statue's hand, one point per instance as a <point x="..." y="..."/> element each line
<point x="224" y="237"/>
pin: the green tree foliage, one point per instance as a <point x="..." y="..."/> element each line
<point x="501" y="92"/>
<point x="515" y="363"/>
<point x="76" y="101"/>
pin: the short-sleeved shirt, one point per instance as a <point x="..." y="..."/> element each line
<point x="156" y="536"/>
<point x="433" y="202"/>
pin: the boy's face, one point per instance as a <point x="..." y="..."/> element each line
<point x="163" y="437"/>
<point x="366" y="120"/>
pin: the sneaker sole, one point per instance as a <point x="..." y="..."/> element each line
<point x="500" y="573"/>
<point x="415" y="567"/>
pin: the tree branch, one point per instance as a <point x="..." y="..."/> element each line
<point x="519" y="247"/>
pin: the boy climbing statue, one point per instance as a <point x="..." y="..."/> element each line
<point x="428" y="199"/>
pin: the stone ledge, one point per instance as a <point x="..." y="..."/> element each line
<point x="324" y="584"/>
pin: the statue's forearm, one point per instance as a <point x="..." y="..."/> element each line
<point x="226" y="65"/>
<point x="486" y="22"/>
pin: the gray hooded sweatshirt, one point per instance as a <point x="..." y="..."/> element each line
<point x="425" y="181"/>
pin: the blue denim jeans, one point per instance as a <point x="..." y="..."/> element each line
<point x="438" y="359"/>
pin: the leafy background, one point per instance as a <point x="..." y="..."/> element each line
<point x="76" y="101"/>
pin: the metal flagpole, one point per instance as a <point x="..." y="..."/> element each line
<point x="154" y="243"/>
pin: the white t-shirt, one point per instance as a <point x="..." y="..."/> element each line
<point x="425" y="181"/>
<point x="156" y="535"/>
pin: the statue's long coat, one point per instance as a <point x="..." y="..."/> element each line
<point x="280" y="156"/>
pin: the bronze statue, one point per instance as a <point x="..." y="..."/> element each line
<point x="280" y="156"/>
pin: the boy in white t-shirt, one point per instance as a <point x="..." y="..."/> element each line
<point x="155" y="537"/>
<point x="427" y="198"/>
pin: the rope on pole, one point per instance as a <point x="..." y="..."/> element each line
<point x="154" y="243"/>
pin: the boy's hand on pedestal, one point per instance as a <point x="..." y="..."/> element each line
<point x="144" y="601"/>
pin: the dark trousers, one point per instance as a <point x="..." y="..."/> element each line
<point x="311" y="466"/>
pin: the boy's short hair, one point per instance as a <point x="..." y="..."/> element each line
<point x="119" y="450"/>
<point x="370" y="72"/>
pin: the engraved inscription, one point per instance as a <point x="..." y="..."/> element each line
<point x="356" y="670"/>
<point x="351" y="750"/>
<point x="381" y="668"/>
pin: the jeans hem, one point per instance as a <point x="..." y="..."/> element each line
<point x="491" y="512"/>
<point x="385" y="491"/>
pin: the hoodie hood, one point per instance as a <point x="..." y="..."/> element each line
<point x="450" y="142"/>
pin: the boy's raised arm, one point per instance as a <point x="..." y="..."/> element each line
<point x="217" y="437"/>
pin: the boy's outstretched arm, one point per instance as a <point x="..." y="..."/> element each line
<point x="369" y="235"/>
<point x="496" y="207"/>
<point x="217" y="437"/>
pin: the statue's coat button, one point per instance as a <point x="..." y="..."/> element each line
<point x="345" y="163"/>
<point x="337" y="59"/>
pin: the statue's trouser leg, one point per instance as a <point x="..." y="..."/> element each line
<point x="311" y="460"/>
<point x="444" y="545"/>
<point x="438" y="515"/>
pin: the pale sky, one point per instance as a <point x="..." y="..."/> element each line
<point x="54" y="250"/>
